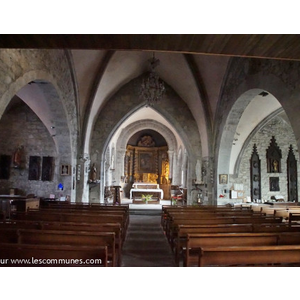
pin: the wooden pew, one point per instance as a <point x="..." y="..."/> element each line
<point x="93" y="228"/>
<point x="196" y="241"/>
<point x="88" y="206"/>
<point x="73" y="238"/>
<point x="168" y="217"/>
<point x="169" y="211"/>
<point x="60" y="237"/>
<point x="294" y="218"/>
<point x="73" y="217"/>
<point x="172" y="228"/>
<point x="180" y="238"/>
<point x="285" y="255"/>
<point x="183" y="213"/>
<point x="52" y="255"/>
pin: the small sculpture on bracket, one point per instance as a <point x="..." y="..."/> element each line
<point x="93" y="174"/>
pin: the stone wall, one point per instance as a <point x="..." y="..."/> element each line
<point x="125" y="102"/>
<point x="18" y="67"/>
<point x="21" y="127"/>
<point x="284" y="136"/>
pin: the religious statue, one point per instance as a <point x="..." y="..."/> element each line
<point x="146" y="141"/>
<point x="17" y="158"/>
<point x="275" y="165"/>
<point x="93" y="174"/>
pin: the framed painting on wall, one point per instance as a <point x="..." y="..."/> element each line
<point x="223" y="179"/>
<point x="274" y="184"/>
<point x="34" y="168"/>
<point x="47" y="168"/>
<point x="146" y="162"/>
<point x="65" y="170"/>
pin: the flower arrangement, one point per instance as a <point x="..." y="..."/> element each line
<point x="146" y="198"/>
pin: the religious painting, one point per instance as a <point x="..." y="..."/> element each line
<point x="34" y="168"/>
<point x="146" y="162"/>
<point x="65" y="170"/>
<point x="5" y="161"/>
<point x="274" y="184"/>
<point x="223" y="179"/>
<point x="47" y="168"/>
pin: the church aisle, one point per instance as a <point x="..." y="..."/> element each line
<point x="145" y="244"/>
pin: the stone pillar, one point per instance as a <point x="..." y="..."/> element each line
<point x="208" y="179"/>
<point x="171" y="163"/>
<point x="82" y="185"/>
<point x="184" y="169"/>
<point x="120" y="164"/>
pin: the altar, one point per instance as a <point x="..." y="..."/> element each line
<point x="140" y="188"/>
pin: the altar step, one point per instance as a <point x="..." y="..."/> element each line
<point x="150" y="212"/>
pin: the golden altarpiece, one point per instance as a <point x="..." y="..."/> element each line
<point x="146" y="163"/>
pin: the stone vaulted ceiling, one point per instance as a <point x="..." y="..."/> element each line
<point x="193" y="65"/>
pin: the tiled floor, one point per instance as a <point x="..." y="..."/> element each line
<point x="146" y="244"/>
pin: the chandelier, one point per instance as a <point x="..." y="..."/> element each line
<point x="153" y="88"/>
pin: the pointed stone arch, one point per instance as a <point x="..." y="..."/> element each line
<point x="123" y="104"/>
<point x="131" y="129"/>
<point x="246" y="78"/>
<point x="57" y="88"/>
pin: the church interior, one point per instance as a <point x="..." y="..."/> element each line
<point x="180" y="127"/>
<point x="74" y="115"/>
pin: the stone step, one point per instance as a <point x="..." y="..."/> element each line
<point x="155" y="212"/>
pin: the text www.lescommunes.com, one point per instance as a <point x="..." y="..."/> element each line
<point x="50" y="261"/>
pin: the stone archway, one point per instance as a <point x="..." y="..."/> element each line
<point x="246" y="78"/>
<point x="50" y="72"/>
<point x="122" y="105"/>
<point x="127" y="132"/>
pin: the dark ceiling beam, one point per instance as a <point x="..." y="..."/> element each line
<point x="276" y="46"/>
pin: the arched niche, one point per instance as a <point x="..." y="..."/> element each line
<point x="55" y="106"/>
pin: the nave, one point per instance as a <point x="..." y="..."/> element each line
<point x="87" y="235"/>
<point x="145" y="244"/>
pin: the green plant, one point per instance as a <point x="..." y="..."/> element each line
<point x="146" y="198"/>
<point x="174" y="201"/>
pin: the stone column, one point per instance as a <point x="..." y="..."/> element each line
<point x="208" y="179"/>
<point x="120" y="165"/>
<point x="184" y="169"/>
<point x="171" y="163"/>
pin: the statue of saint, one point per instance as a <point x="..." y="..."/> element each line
<point x="93" y="175"/>
<point x="275" y="165"/>
<point x="17" y="158"/>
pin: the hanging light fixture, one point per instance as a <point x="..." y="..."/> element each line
<point x="153" y="88"/>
